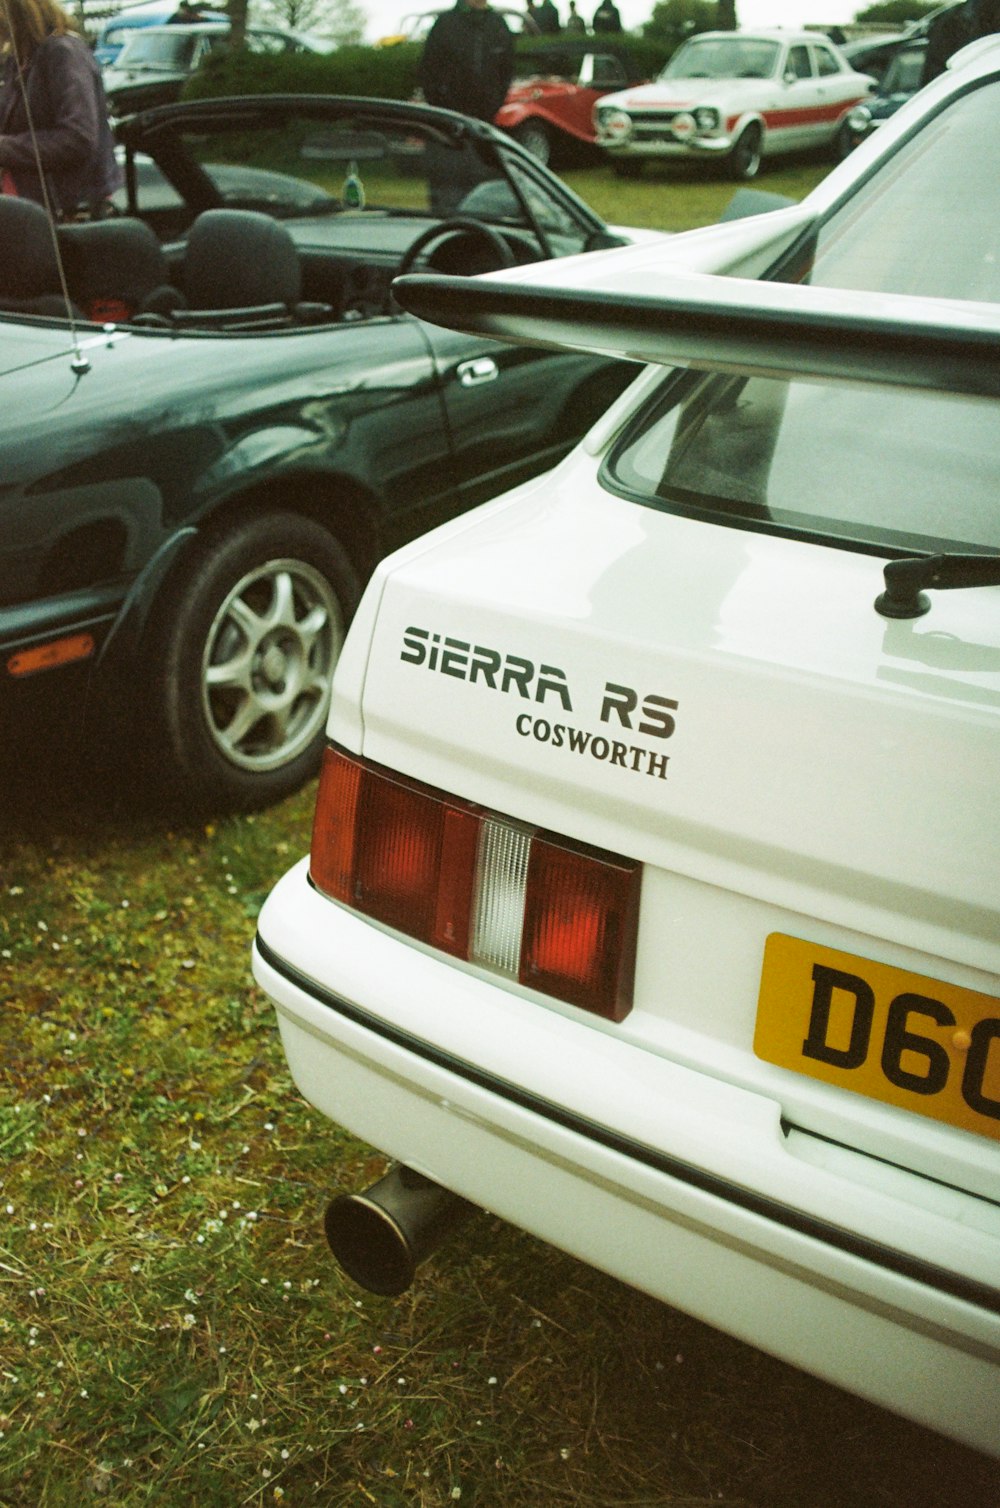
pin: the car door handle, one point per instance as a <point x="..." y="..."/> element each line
<point x="481" y="369"/>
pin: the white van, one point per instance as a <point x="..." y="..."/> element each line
<point x="653" y="894"/>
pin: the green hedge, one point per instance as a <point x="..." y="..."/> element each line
<point x="379" y="72"/>
<point x="648" y="55"/>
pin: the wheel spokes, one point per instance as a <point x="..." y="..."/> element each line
<point x="267" y="666"/>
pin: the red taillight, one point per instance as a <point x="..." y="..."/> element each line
<point x="557" y="916"/>
<point x="334" y="824"/>
<point x="397" y="852"/>
<point x="452" y="908"/>
<point x="580" y="921"/>
<point x="394" y="850"/>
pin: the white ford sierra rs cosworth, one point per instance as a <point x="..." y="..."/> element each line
<point x="653" y="894"/>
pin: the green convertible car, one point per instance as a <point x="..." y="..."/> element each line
<point x="218" y="420"/>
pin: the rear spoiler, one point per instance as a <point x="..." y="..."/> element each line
<point x="737" y="325"/>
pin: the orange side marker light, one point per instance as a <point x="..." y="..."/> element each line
<point x="50" y="656"/>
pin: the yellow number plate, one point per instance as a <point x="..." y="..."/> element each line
<point x="928" y="1046"/>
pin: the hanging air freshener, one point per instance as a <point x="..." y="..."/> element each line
<point x="353" y="192"/>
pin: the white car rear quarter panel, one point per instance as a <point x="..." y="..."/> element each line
<point x="832" y="776"/>
<point x="808" y="731"/>
<point x="808" y="1300"/>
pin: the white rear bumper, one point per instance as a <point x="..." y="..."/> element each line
<point x="679" y="1184"/>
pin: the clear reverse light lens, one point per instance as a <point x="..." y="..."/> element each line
<point x="501" y="882"/>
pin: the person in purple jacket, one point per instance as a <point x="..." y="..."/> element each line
<point x="56" y="145"/>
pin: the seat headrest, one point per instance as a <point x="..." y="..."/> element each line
<point x="238" y="259"/>
<point x="28" y="265"/>
<point x="50" y="305"/>
<point x="112" y="259"/>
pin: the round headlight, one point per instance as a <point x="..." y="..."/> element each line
<point x="860" y="119"/>
<point x="706" y="119"/>
<point x="683" y="125"/>
<point x="614" y="124"/>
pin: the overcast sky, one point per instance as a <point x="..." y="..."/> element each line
<point x="385" y="15"/>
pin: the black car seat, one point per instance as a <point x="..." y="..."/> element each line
<point x="29" y="266"/>
<point x="242" y="271"/>
<point x="116" y="270"/>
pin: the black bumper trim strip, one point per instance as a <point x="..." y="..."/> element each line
<point x="967" y="1289"/>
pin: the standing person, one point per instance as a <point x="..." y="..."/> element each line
<point x="987" y="17"/>
<point x="576" y="26"/>
<point x="949" y="30"/>
<point x="548" y="18"/>
<point x="467" y="65"/>
<point x="606" y="18"/>
<point x="55" y="140"/>
<point x="952" y="28"/>
<point x="468" y="60"/>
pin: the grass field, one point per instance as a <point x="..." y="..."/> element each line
<point x="172" y="1330"/>
<point x="665" y="199"/>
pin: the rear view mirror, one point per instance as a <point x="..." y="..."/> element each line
<point x="345" y="146"/>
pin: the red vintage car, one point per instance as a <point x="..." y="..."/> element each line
<point x="549" y="106"/>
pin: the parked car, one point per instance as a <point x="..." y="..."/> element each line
<point x="901" y="79"/>
<point x="156" y="62"/>
<point x="202" y="470"/>
<point x="735" y="98"/>
<point x="652" y="899"/>
<point x="116" y="30"/>
<point x="873" y="53"/>
<point x="416" y="26"/>
<point x="549" y="107"/>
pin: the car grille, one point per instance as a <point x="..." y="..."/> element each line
<point x="649" y="125"/>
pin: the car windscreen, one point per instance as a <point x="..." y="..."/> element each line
<point x="905" y="72"/>
<point x="723" y="58"/>
<point x="849" y="462"/>
<point x="161" y="49"/>
<point x="363" y="165"/>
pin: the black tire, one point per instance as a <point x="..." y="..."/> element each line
<point x="743" y="161"/>
<point x="246" y="650"/>
<point x="535" y="138"/>
<point x="844" y="142"/>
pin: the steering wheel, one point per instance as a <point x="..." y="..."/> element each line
<point x="460" y="225"/>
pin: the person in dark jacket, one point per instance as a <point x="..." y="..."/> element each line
<point x="55" y="140"/>
<point x="547" y="18"/>
<point x="987" y="21"/>
<point x="952" y="28"/>
<point x="468" y="60"/>
<point x="576" y="26"/>
<point x="606" y="18"/>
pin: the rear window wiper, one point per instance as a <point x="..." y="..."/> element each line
<point x="907" y="581"/>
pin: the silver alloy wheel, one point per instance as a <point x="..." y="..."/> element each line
<point x="267" y="663"/>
